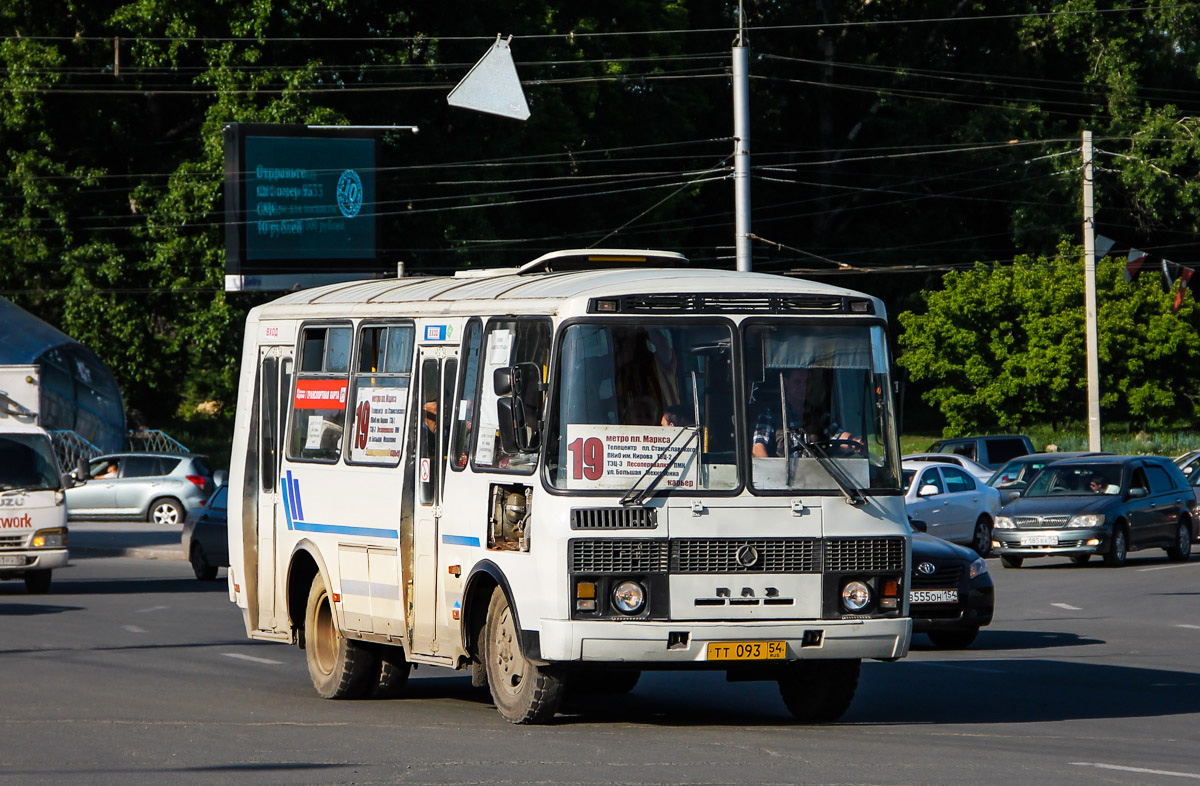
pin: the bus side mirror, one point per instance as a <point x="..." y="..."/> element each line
<point x="517" y="433"/>
<point x="518" y="406"/>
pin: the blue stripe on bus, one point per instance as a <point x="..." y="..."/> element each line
<point x="298" y="513"/>
<point x="460" y="540"/>
<point x="287" y="509"/>
<point x="337" y="528"/>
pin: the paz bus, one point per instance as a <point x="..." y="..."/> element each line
<point x="599" y="463"/>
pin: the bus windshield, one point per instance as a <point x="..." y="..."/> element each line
<point x="27" y="463"/>
<point x="819" y="408"/>
<point x="645" y="403"/>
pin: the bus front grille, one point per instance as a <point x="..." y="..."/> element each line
<point x="864" y="555"/>
<point x="618" y="555"/>
<point x="746" y="555"/>
<point x="614" y="518"/>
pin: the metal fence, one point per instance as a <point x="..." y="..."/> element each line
<point x="153" y="440"/>
<point x="72" y="449"/>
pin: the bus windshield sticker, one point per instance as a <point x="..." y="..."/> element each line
<point x="499" y="349"/>
<point x="615" y="457"/>
<point x="379" y="424"/>
<point x="316" y="428"/>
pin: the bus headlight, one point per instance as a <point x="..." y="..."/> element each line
<point x="856" y="596"/>
<point x="49" y="538"/>
<point x="629" y="597"/>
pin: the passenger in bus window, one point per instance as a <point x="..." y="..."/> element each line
<point x="678" y="416"/>
<point x="807" y="409"/>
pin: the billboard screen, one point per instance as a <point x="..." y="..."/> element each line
<point x="299" y="203"/>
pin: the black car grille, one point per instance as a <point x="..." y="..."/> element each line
<point x="798" y="555"/>
<point x="945" y="576"/>
<point x="1040" y="522"/>
<point x="698" y="556"/>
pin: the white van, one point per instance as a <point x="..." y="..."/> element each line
<point x="33" y="510"/>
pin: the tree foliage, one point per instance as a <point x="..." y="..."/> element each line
<point x="909" y="132"/>
<point x="1003" y="347"/>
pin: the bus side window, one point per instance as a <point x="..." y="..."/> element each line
<point x="464" y="407"/>
<point x="320" y="398"/>
<point x="379" y="395"/>
<point x="508" y="342"/>
<point x="268" y="425"/>
<point x="427" y="435"/>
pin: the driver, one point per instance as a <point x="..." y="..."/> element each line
<point x="808" y="417"/>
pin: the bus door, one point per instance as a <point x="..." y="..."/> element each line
<point x="275" y="370"/>
<point x="437" y="369"/>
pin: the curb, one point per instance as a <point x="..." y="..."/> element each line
<point x="136" y="552"/>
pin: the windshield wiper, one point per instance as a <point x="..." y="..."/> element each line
<point x="636" y="497"/>
<point x="852" y="492"/>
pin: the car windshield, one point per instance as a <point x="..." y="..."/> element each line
<point x="1016" y="474"/>
<point x="1076" y="479"/>
<point x="27" y="462"/>
<point x="629" y="397"/>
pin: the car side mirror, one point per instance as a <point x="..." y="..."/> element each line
<point x="220" y="477"/>
<point x="1014" y="494"/>
<point x="1136" y="493"/>
<point x="928" y="490"/>
<point x="918" y="526"/>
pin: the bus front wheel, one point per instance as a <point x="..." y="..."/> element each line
<point x="340" y="668"/>
<point x="819" y="691"/>
<point x="523" y="691"/>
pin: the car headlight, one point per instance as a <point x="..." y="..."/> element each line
<point x="856" y="596"/>
<point x="629" y="597"/>
<point x="978" y="567"/>
<point x="49" y="538"/>
<point x="1089" y="521"/>
<point x="1003" y="522"/>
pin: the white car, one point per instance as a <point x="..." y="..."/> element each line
<point x="976" y="470"/>
<point x="953" y="505"/>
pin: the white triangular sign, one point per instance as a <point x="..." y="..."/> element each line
<point x="492" y="86"/>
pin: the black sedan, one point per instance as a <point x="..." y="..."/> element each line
<point x="951" y="595"/>
<point x="206" y="538"/>
<point x="1108" y="505"/>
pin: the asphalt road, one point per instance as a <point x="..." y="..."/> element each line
<point x="132" y="672"/>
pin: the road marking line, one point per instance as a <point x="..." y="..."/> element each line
<point x="252" y="659"/>
<point x="133" y="629"/>
<point x="1067" y="606"/>
<point x="1170" y="567"/>
<point x="1189" y="627"/>
<point x="1136" y="769"/>
<point x="152" y="608"/>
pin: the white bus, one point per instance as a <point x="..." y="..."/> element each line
<point x="568" y="473"/>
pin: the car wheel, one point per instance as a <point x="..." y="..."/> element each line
<point x="340" y="668"/>
<point x="1080" y="559"/>
<point x="819" y="691"/>
<point x="166" y="511"/>
<point x="37" y="582"/>
<point x="1183" y="543"/>
<point x="200" y="566"/>
<point x="953" y="639"/>
<point x="982" y="542"/>
<point x="1118" y="549"/>
<point x="523" y="691"/>
<point x="1012" y="562"/>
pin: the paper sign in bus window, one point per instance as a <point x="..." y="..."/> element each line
<point x="615" y="457"/>
<point x="379" y="424"/>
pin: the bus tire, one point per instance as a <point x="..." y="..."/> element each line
<point x="391" y="676"/>
<point x="819" y="691"/>
<point x="339" y="668"/>
<point x="522" y="691"/>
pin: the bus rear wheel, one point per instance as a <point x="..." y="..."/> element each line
<point x="523" y="691"/>
<point x="340" y="668"/>
<point x="819" y="691"/>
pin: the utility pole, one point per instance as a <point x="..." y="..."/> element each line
<point x="741" y="147"/>
<point x="1089" y="284"/>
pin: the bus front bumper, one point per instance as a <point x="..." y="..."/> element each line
<point x="686" y="643"/>
<point x="18" y="563"/>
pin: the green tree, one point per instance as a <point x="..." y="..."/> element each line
<point x="1003" y="347"/>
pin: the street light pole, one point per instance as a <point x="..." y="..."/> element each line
<point x="1089" y="283"/>
<point x="741" y="148"/>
